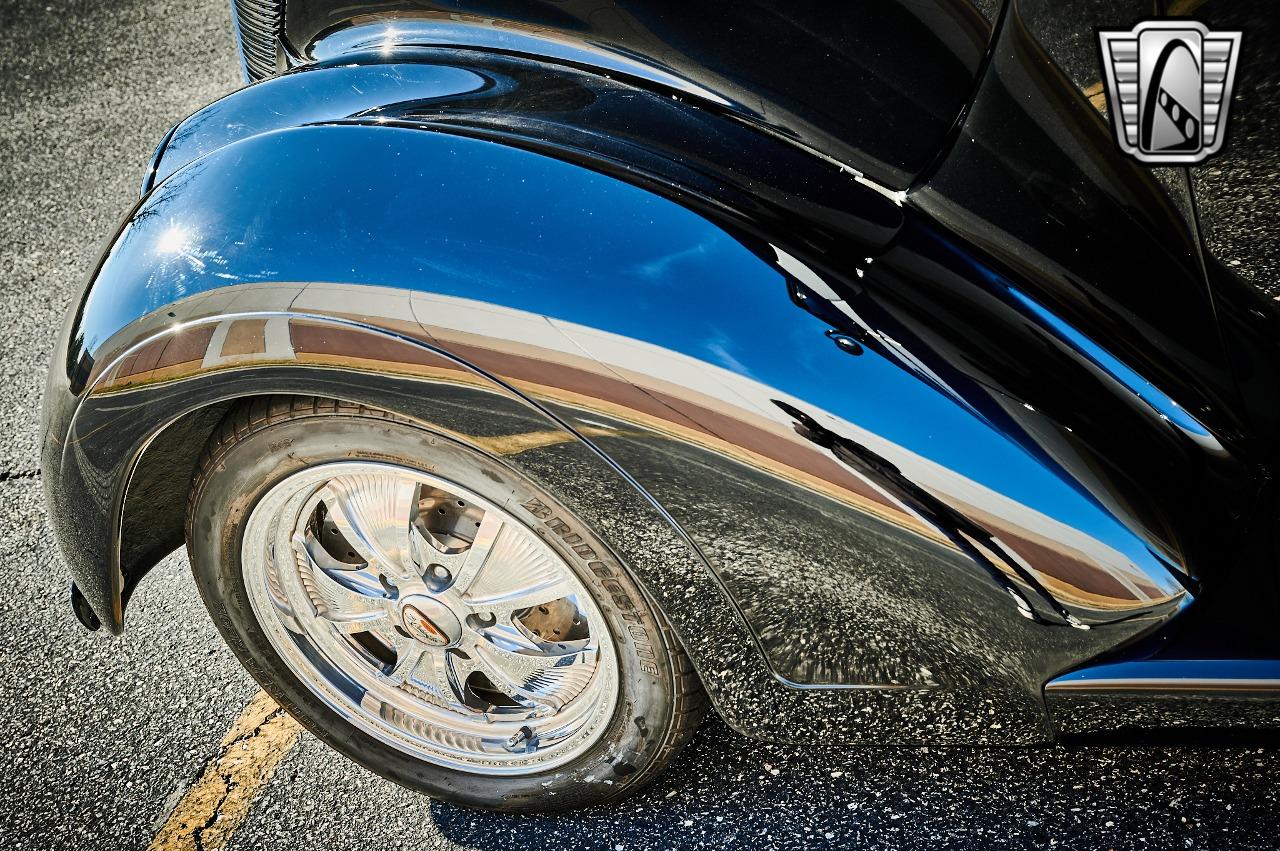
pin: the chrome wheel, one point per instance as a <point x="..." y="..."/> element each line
<point x="430" y="618"/>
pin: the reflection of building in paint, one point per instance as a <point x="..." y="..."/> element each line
<point x="667" y="392"/>
<point x="248" y="340"/>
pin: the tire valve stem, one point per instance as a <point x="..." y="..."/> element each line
<point x="521" y="740"/>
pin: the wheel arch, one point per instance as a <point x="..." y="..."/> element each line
<point x="154" y="504"/>
<point x="155" y="475"/>
<point x="366" y="261"/>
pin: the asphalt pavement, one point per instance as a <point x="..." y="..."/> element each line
<point x="158" y="738"/>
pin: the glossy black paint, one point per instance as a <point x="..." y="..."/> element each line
<point x="621" y="128"/>
<point x="874" y="85"/>
<point x="950" y="615"/>
<point x="1035" y="182"/>
<point x="1035" y="430"/>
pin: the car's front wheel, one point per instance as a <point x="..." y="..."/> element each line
<point x="431" y="613"/>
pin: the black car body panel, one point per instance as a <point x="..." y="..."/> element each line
<point x="876" y="85"/>
<point x="896" y="433"/>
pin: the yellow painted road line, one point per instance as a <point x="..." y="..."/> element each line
<point x="215" y="805"/>
<point x="1097" y="97"/>
<point x="1178" y="8"/>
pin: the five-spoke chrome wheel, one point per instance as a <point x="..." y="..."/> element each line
<point x="430" y="617"/>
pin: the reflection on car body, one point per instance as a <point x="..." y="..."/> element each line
<point x="641" y="287"/>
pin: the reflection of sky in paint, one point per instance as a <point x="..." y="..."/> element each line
<point x="464" y="218"/>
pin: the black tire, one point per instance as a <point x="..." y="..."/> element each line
<point x="260" y="442"/>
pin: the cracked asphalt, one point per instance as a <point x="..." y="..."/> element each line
<point x="118" y="743"/>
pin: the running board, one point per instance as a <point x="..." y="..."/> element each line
<point x="1260" y="677"/>
<point x="1197" y="699"/>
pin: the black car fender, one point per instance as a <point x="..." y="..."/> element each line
<point x="642" y="330"/>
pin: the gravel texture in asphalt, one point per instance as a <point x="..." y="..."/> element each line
<point x="102" y="739"/>
<point x="1239" y="190"/>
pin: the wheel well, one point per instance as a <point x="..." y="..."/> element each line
<point x="153" y="519"/>
<point x="155" y="502"/>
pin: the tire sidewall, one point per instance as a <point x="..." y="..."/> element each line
<point x="239" y="475"/>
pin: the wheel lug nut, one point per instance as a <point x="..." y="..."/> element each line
<point x="440" y="573"/>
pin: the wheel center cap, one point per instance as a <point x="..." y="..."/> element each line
<point x="430" y="621"/>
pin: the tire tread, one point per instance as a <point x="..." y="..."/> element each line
<point x="690" y="702"/>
